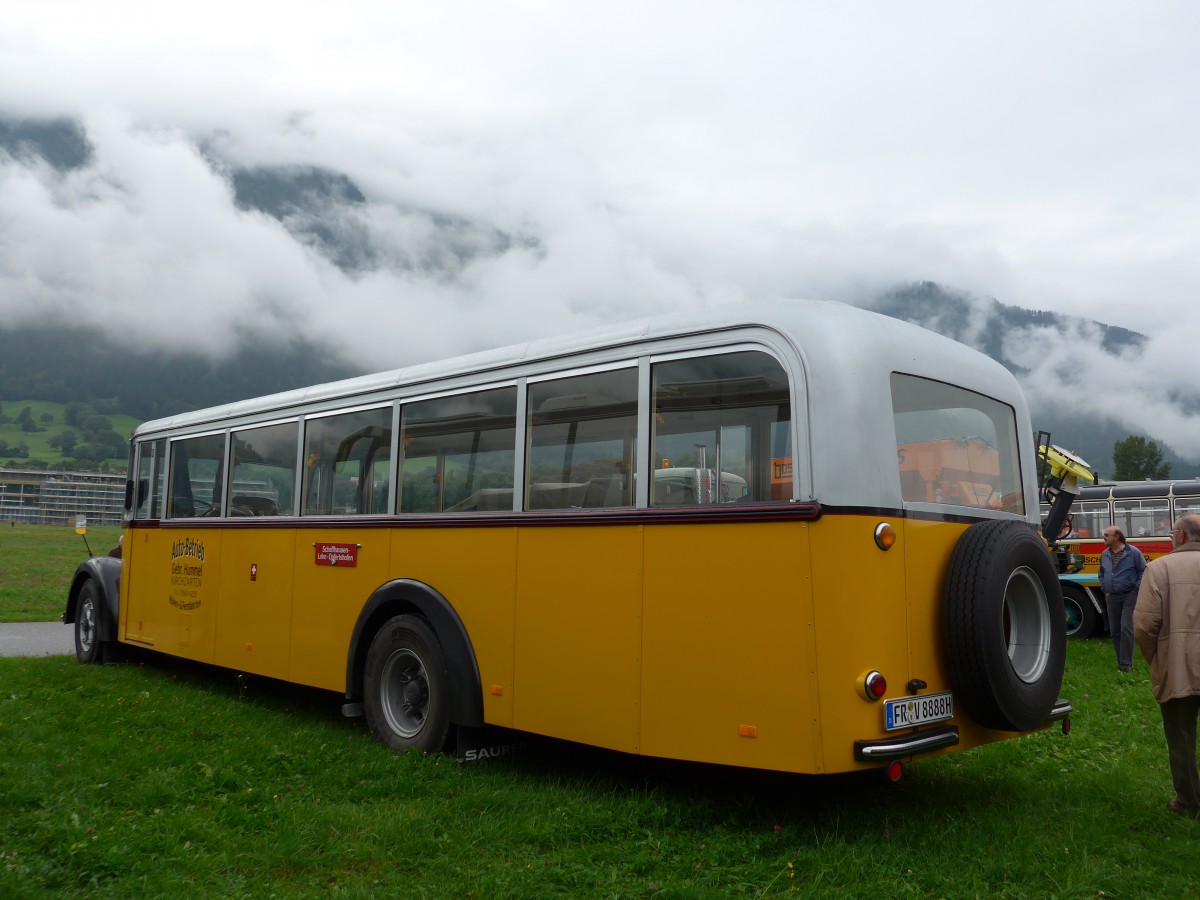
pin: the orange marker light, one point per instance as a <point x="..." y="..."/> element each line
<point x="748" y="730"/>
<point x="885" y="536"/>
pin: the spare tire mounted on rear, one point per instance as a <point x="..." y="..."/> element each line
<point x="1004" y="626"/>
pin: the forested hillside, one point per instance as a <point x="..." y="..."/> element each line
<point x="67" y="365"/>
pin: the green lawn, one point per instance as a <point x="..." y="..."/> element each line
<point x="162" y="778"/>
<point x="36" y="565"/>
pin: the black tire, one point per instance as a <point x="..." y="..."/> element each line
<point x="406" y="685"/>
<point x="1081" y="617"/>
<point x="87" y="615"/>
<point x="1004" y="624"/>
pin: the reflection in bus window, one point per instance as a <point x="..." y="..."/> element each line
<point x="581" y="441"/>
<point x="196" y="467"/>
<point x="1142" y="518"/>
<point x="347" y="463"/>
<point x="1089" y="518"/>
<point x="262" y="480"/>
<point x="724" y="414"/>
<point x="954" y="446"/>
<point x="1186" y="506"/>
<point x="458" y="453"/>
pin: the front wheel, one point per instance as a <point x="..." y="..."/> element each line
<point x="87" y="641"/>
<point x="406" y="700"/>
<point x="1081" y="617"/>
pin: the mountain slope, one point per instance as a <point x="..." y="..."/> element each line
<point x="64" y="364"/>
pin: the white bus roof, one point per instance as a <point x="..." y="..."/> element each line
<point x="840" y="344"/>
<point x="842" y="356"/>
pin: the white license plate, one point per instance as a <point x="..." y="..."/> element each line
<point x="918" y="710"/>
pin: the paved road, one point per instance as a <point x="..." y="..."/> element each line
<point x="36" y="639"/>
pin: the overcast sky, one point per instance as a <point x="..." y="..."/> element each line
<point x="636" y="157"/>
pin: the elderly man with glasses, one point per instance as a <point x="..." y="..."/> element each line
<point x="1166" y="624"/>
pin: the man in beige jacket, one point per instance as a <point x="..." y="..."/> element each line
<point x="1166" y="626"/>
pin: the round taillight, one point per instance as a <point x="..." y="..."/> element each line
<point x="874" y="685"/>
<point x="885" y="536"/>
<point x="895" y="771"/>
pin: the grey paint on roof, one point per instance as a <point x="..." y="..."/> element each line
<point x="842" y="356"/>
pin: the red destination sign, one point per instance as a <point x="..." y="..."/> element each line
<point x="336" y="554"/>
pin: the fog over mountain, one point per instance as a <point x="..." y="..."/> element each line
<point x="197" y="246"/>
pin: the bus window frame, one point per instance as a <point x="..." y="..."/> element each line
<point x="525" y="423"/>
<point x="765" y="455"/>
<point x="394" y="408"/>
<point x="397" y="506"/>
<point x="297" y="462"/>
<point x="223" y="464"/>
<point x="1016" y="464"/>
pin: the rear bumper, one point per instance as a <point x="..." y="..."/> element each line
<point x="906" y="745"/>
<point x="930" y="739"/>
<point x="1061" y="709"/>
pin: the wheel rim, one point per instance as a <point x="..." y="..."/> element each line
<point x="1027" y="624"/>
<point x="87" y="625"/>
<point x="405" y="693"/>
<point x="1074" y="615"/>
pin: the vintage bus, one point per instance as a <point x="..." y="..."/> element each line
<point x="1144" y="511"/>
<point x="592" y="538"/>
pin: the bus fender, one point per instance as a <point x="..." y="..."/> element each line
<point x="407" y="596"/>
<point x="106" y="572"/>
<point x="1004" y="627"/>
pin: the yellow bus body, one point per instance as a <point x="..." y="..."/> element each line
<point x="744" y="538"/>
<point x="604" y="659"/>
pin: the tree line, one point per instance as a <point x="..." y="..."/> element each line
<point x="1139" y="459"/>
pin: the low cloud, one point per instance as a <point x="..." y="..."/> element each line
<point x="485" y="176"/>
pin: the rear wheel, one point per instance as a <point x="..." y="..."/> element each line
<point x="87" y="613"/>
<point x="1081" y="617"/>
<point x="406" y="700"/>
<point x="1004" y="626"/>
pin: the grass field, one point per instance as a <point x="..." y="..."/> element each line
<point x="36" y="565"/>
<point x="160" y="778"/>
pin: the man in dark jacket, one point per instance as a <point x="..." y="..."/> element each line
<point x="1121" y="568"/>
<point x="1166" y="624"/>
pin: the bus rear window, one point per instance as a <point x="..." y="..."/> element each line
<point x="955" y="447"/>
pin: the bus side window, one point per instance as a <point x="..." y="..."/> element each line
<point x="347" y="463"/>
<point x="721" y="430"/>
<point x="196" y="467"/>
<point x="1091" y="518"/>
<point x="152" y="479"/>
<point x="1140" y="518"/>
<point x="581" y="438"/>
<point x="458" y="453"/>
<point x="262" y="478"/>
